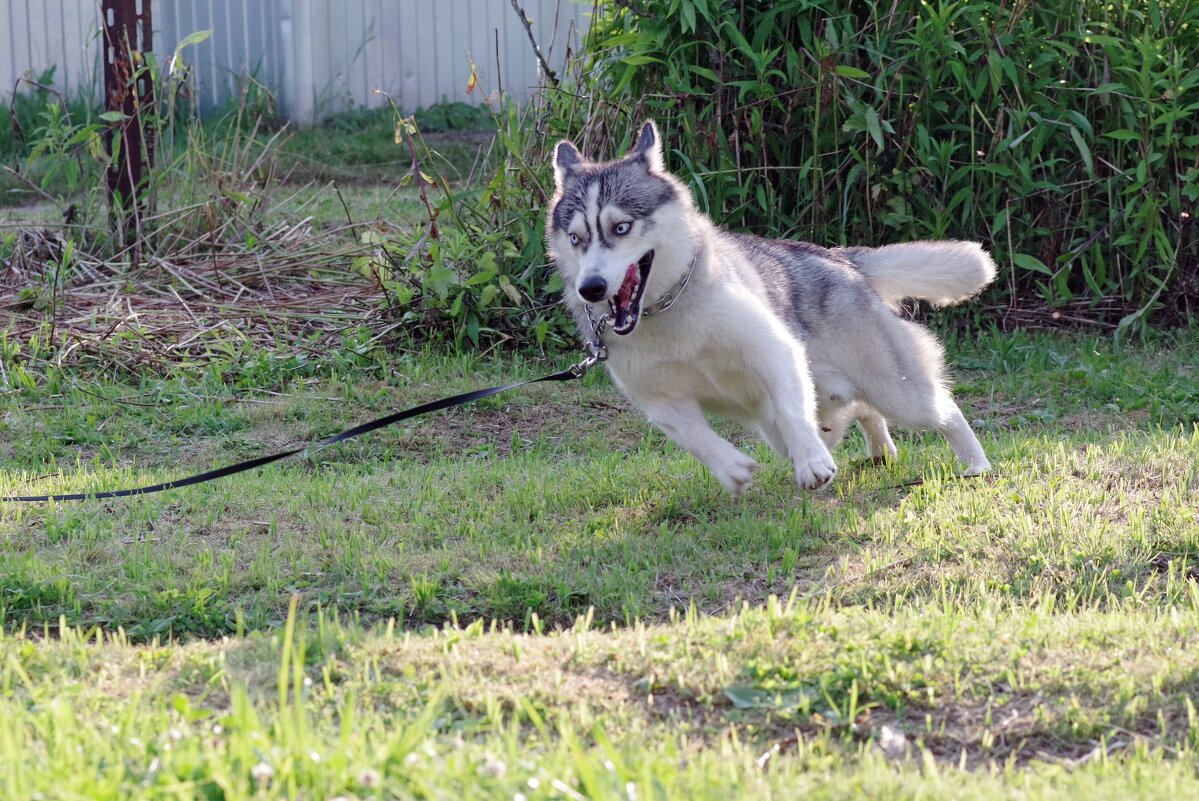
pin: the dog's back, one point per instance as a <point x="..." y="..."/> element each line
<point x="805" y="284"/>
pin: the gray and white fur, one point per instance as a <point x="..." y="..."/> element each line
<point x="792" y="338"/>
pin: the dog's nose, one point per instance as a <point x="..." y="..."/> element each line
<point x="594" y="289"/>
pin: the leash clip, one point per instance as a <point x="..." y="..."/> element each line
<point x="597" y="351"/>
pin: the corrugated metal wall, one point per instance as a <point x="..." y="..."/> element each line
<point x="246" y="40"/>
<point x="320" y="56"/>
<point x="38" y="34"/>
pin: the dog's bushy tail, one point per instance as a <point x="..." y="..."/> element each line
<point x="942" y="273"/>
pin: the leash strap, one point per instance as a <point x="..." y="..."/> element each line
<point x="569" y="374"/>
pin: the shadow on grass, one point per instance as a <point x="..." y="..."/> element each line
<point x="535" y="508"/>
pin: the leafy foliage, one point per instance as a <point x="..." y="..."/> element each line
<point x="1063" y="135"/>
<point x="38" y="120"/>
<point x="476" y="271"/>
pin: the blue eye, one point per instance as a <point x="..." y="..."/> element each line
<point x="623" y="228"/>
<point x="574" y="239"/>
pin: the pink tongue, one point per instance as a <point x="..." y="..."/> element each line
<point x="631" y="279"/>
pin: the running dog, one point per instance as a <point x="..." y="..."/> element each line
<point x="794" y="339"/>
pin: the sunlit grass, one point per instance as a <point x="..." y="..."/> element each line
<point x="540" y="595"/>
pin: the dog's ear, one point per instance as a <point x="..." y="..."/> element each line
<point x="566" y="156"/>
<point x="649" y="147"/>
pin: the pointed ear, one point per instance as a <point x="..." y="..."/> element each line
<point x="649" y="147"/>
<point x="566" y="156"/>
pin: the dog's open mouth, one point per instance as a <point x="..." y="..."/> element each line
<point x="626" y="303"/>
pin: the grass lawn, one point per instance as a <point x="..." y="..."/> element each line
<point x="539" y="597"/>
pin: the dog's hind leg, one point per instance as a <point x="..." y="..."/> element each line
<point x="910" y="391"/>
<point x="943" y="415"/>
<point x="938" y="411"/>
<point x="965" y="445"/>
<point x="878" y="438"/>
<point x="835" y="419"/>
<point x="774" y="439"/>
<point x="684" y="422"/>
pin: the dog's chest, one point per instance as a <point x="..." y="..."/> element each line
<point x="735" y="393"/>
<point x="721" y="384"/>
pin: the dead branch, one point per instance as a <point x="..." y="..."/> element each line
<point x="550" y="75"/>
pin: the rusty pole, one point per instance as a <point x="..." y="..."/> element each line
<point x="128" y="90"/>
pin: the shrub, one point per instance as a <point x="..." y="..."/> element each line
<point x="476" y="271"/>
<point x="1065" y="135"/>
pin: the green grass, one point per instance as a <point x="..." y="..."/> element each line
<point x="355" y="147"/>
<point x="556" y="500"/>
<point x="359" y="146"/>
<point x="790" y="700"/>
<point x="540" y="595"/>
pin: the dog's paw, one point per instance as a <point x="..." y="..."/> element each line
<point x="736" y="473"/>
<point x="816" y="471"/>
<point x="976" y="467"/>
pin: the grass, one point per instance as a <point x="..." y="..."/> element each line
<point x="554" y="501"/>
<point x="540" y="597"/>
<point x="355" y="147"/>
<point x="359" y="146"/>
<point x="750" y="705"/>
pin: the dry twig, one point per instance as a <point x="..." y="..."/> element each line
<point x="550" y="75"/>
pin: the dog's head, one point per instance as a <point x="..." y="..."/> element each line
<point x="617" y="229"/>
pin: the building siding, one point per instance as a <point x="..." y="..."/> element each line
<point x="318" y="56"/>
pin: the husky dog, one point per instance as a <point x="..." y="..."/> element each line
<point x="797" y="340"/>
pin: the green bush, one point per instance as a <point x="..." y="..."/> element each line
<point x="474" y="274"/>
<point x="1065" y="135"/>
<point x="33" y="117"/>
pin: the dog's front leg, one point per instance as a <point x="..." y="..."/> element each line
<point x="789" y="414"/>
<point x="814" y="465"/>
<point x="684" y="422"/>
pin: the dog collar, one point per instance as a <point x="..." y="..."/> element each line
<point x="667" y="300"/>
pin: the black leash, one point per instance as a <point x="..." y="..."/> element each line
<point x="569" y="374"/>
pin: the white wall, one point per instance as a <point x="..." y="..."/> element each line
<point x="320" y="56"/>
<point x="38" y="34"/>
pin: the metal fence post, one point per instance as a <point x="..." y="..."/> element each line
<point x="129" y="104"/>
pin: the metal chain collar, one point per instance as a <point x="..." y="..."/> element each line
<point x="597" y="351"/>
<point x="666" y="301"/>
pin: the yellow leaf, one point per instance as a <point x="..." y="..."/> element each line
<point x="509" y="290"/>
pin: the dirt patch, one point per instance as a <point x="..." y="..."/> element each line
<point x="503" y="431"/>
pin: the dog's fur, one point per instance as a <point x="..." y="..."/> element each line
<point x="795" y="339"/>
